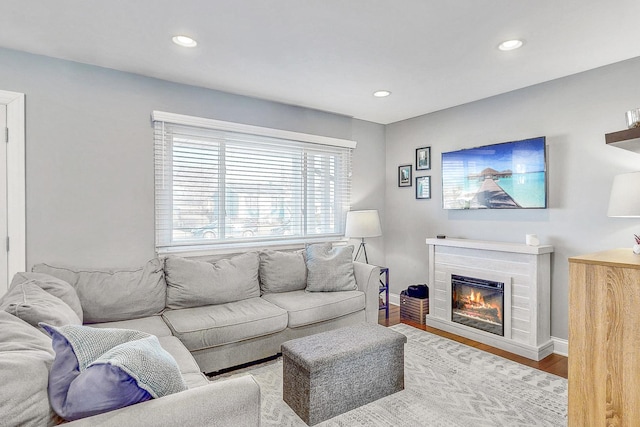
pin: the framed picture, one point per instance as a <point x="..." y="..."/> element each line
<point x="423" y="187"/>
<point x="423" y="158"/>
<point x="404" y="176"/>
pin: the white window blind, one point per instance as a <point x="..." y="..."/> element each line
<point x="218" y="183"/>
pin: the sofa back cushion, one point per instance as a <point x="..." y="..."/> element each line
<point x="111" y="295"/>
<point x="282" y="271"/>
<point x="26" y="356"/>
<point x="33" y="304"/>
<point x="52" y="285"/>
<point x="193" y="283"/>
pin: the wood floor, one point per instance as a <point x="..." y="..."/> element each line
<point x="553" y="364"/>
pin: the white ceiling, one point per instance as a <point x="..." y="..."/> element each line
<point x="333" y="54"/>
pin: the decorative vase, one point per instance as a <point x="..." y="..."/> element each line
<point x="633" y="118"/>
<point x="636" y="249"/>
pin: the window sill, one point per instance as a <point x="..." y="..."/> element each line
<point x="235" y="247"/>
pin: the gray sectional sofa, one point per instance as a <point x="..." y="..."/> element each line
<point x="210" y="313"/>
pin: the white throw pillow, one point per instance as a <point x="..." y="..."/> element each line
<point x="330" y="269"/>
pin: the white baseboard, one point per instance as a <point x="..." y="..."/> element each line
<point x="560" y="345"/>
<point x="394" y="299"/>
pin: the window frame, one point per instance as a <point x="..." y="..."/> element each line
<point x="225" y="245"/>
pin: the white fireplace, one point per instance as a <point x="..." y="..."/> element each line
<point x="522" y="273"/>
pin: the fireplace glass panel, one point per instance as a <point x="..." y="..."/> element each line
<point x="478" y="303"/>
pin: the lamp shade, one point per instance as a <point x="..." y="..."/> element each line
<point x="363" y="224"/>
<point x="625" y="196"/>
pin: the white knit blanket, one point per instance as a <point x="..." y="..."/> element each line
<point x="137" y="353"/>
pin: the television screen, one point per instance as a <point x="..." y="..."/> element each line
<point x="510" y="175"/>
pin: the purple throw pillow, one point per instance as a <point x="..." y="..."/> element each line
<point x="99" y="388"/>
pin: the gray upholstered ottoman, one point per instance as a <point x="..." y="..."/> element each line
<point x="330" y="373"/>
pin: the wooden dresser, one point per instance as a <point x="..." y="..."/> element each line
<point x="604" y="339"/>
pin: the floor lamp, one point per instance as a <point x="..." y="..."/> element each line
<point x="361" y="224"/>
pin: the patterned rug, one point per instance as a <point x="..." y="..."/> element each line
<point x="446" y="384"/>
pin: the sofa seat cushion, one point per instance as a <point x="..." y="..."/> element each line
<point x="214" y="325"/>
<point x="305" y="308"/>
<point x="189" y="369"/>
<point x="26" y="356"/>
<point x="153" y="325"/>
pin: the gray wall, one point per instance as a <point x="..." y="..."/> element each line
<point x="573" y="113"/>
<point x="90" y="153"/>
<point x="90" y="164"/>
<point x="368" y="182"/>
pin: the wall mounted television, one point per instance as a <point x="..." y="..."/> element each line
<point x="510" y="175"/>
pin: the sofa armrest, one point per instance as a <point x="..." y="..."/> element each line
<point x="368" y="280"/>
<point x="233" y="402"/>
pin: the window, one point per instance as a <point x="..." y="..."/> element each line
<point x="220" y="183"/>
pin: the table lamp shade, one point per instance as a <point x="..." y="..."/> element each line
<point x="362" y="224"/>
<point x="625" y="196"/>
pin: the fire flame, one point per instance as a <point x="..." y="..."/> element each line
<point x="476" y="299"/>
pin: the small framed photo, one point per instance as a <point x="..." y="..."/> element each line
<point x="423" y="158"/>
<point x="423" y="187"/>
<point x="404" y="176"/>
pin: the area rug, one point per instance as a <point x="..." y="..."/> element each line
<point x="446" y="384"/>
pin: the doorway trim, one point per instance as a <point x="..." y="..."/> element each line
<point x="16" y="182"/>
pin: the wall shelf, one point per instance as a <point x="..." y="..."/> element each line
<point x="628" y="139"/>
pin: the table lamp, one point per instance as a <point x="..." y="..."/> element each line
<point x="624" y="201"/>
<point x="625" y="196"/>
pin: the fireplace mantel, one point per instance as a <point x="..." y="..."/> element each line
<point x="526" y="273"/>
<point x="517" y="248"/>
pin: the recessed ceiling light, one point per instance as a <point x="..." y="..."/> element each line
<point x="184" y="41"/>
<point x="510" y="44"/>
<point x="381" y="93"/>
